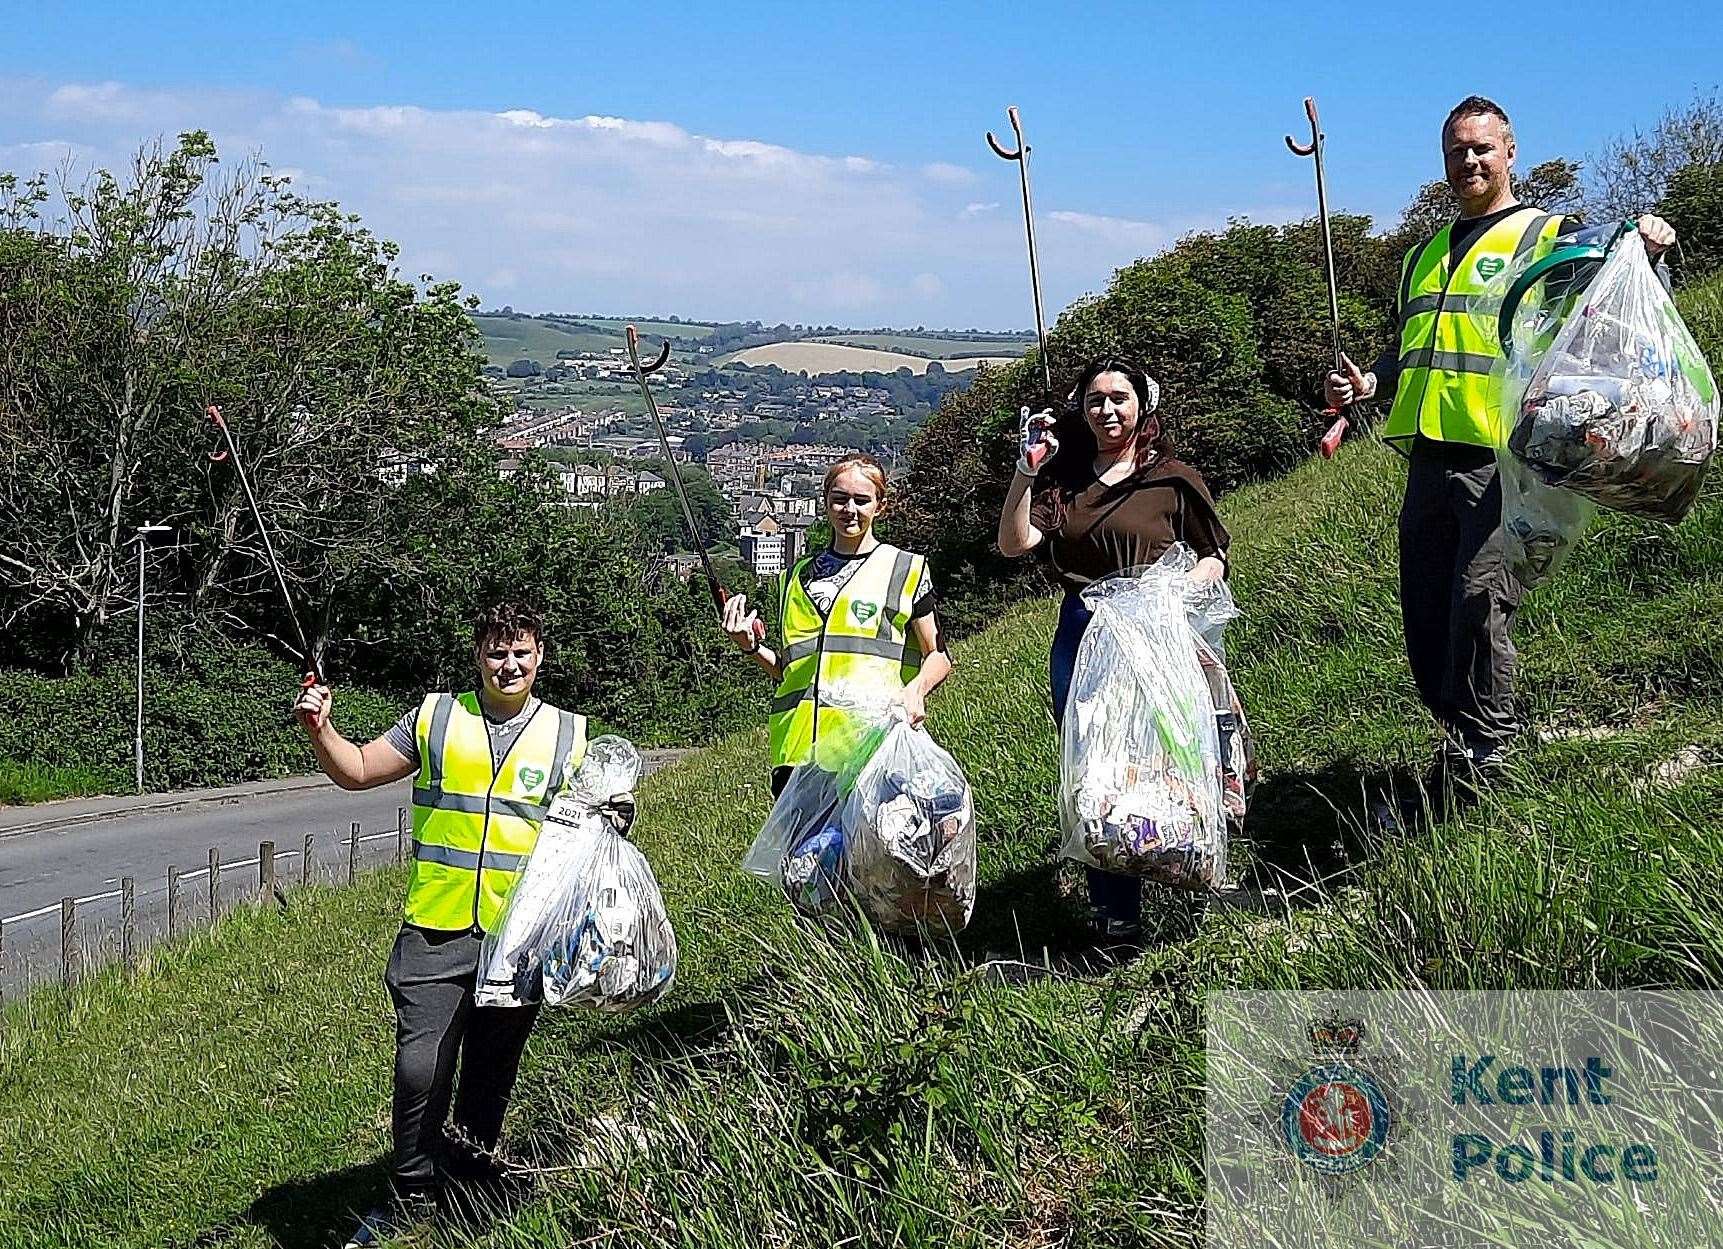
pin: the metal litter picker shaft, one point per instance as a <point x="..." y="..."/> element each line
<point x="1021" y="156"/>
<point x="719" y="595"/>
<point x="1318" y="141"/>
<point x="313" y="670"/>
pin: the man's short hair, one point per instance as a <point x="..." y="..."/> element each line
<point x="1478" y="106"/>
<point x="507" y="620"/>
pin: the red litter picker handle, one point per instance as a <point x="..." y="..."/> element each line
<point x="1331" y="440"/>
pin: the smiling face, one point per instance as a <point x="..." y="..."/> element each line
<point x="852" y="502"/>
<point x="1478" y="151"/>
<point x="508" y="668"/>
<point x="1112" y="408"/>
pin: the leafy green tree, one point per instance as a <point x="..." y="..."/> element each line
<point x="659" y="516"/>
<point x="142" y="301"/>
<point x="1694" y="206"/>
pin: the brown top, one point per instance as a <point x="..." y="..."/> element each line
<point x="1101" y="530"/>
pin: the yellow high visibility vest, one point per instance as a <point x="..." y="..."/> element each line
<point x="475" y="819"/>
<point x="864" y="640"/>
<point x="1448" y="343"/>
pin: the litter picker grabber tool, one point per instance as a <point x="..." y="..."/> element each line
<point x="1021" y="156"/>
<point x="719" y="594"/>
<point x="1318" y="141"/>
<point x="313" y="670"/>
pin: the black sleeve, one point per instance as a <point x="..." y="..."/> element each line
<point x="1387" y="369"/>
<point x="925" y="600"/>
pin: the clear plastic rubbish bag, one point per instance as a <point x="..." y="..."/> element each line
<point x="1619" y="407"/>
<point x="801" y="846"/>
<point x="585" y="925"/>
<point x="909" y="821"/>
<point x="1540" y="523"/>
<point x="1142" y="781"/>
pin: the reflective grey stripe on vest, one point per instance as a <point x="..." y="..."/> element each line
<point x="787" y="702"/>
<point x="564" y="745"/>
<point x="884" y="647"/>
<point x="435" y="740"/>
<point x="474" y="804"/>
<point x="1476" y="305"/>
<point x="1529" y="239"/>
<point x="448" y="856"/>
<point x="1447" y="361"/>
<point x="894" y="590"/>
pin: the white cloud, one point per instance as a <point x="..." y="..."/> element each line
<point x="606" y="212"/>
<point x="947" y="174"/>
<point x="1146" y="234"/>
<point x="101" y="101"/>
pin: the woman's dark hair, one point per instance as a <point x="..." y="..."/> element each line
<point x="1073" y="465"/>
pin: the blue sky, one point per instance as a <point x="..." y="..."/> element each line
<point x="818" y="162"/>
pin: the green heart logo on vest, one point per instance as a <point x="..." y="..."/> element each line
<point x="1489" y="266"/>
<point x="531" y="777"/>
<point x="864" y="612"/>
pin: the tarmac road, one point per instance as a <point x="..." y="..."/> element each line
<point x="81" y="848"/>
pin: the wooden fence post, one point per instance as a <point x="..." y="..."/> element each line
<point x="68" y="940"/>
<point x="214" y="883"/>
<point x="400" y="834"/>
<point x="353" y="853"/>
<point x="265" y="870"/>
<point x="173" y="902"/>
<point x="128" y="923"/>
<point x="305" y="862"/>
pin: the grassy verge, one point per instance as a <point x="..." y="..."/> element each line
<point x="804" y="1089"/>
<point x="38" y="782"/>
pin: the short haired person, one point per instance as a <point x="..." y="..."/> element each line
<point x="1109" y="499"/>
<point x="1457" y="597"/>
<point x="861" y="612"/>
<point x="488" y="763"/>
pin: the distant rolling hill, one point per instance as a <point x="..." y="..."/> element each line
<point x="939" y="346"/>
<point x="510" y="338"/>
<point x="815" y="358"/>
<point x="539" y="338"/>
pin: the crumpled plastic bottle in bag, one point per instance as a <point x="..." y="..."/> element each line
<point x="1143" y="786"/>
<point x="910" y="821"/>
<point x="585" y="924"/>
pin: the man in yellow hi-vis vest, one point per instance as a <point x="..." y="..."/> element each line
<point x="1457" y="598"/>
<point x="488" y="764"/>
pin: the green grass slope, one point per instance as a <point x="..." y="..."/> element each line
<point x="803" y="1089"/>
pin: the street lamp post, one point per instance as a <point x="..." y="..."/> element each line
<point x="143" y="532"/>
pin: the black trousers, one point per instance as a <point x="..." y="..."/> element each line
<point x="1457" y="598"/>
<point x="431" y="977"/>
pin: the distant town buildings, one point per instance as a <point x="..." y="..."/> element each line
<point x="773" y="490"/>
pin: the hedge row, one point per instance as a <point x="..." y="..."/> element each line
<point x="221" y="719"/>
